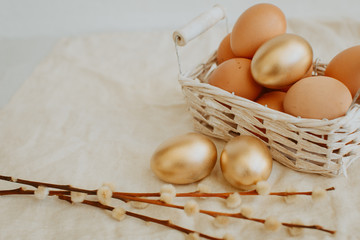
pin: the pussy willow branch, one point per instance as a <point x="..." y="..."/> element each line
<point x="63" y="195"/>
<point x="145" y="218"/>
<point x="22" y="191"/>
<point x="156" y="194"/>
<point x="49" y="185"/>
<point x="161" y="203"/>
<point x="233" y="215"/>
<point x="220" y="195"/>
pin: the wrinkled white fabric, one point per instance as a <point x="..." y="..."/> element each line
<point x="94" y="111"/>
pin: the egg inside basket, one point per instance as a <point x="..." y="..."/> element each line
<point x="326" y="147"/>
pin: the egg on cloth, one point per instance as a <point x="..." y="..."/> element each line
<point x="345" y="67"/>
<point x="235" y="77"/>
<point x="245" y="160"/>
<point x="254" y="27"/>
<point x="281" y="61"/>
<point x="224" y="51"/>
<point x="317" y="97"/>
<point x="184" y="159"/>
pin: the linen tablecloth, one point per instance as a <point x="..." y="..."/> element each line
<point x="95" y="109"/>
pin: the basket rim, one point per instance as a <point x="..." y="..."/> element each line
<point x="186" y="81"/>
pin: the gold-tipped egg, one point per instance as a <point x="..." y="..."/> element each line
<point x="244" y="161"/>
<point x="184" y="159"/>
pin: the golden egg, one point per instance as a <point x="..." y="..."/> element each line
<point x="281" y="61"/>
<point x="244" y="161"/>
<point x="184" y="159"/>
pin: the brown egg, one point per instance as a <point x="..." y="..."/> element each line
<point x="224" y="51"/>
<point x="235" y="77"/>
<point x="317" y="97"/>
<point x="184" y="159"/>
<point x="273" y="100"/>
<point x="254" y="27"/>
<point x="245" y="160"/>
<point x="345" y="67"/>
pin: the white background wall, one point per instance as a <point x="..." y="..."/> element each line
<point x="29" y="28"/>
<point x="20" y="18"/>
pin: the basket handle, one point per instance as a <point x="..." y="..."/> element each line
<point x="199" y="25"/>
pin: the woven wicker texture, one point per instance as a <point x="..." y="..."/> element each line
<point x="326" y="147"/>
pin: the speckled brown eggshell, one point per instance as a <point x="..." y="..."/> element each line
<point x="235" y="77"/>
<point x="317" y="97"/>
<point x="224" y="51"/>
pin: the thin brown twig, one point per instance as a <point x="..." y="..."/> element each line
<point x="155" y="194"/>
<point x="220" y="195"/>
<point x="309" y="193"/>
<point x="49" y="185"/>
<point x="63" y="195"/>
<point x="163" y="204"/>
<point x="127" y="197"/>
<point x="21" y="191"/>
<point x="166" y="223"/>
<point x="233" y="215"/>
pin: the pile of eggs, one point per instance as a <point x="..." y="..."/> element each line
<point x="259" y="61"/>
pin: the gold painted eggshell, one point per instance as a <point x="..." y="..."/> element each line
<point x="184" y="159"/>
<point x="245" y="160"/>
<point x="282" y="61"/>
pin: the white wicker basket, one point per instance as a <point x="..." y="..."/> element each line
<point x="326" y="147"/>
